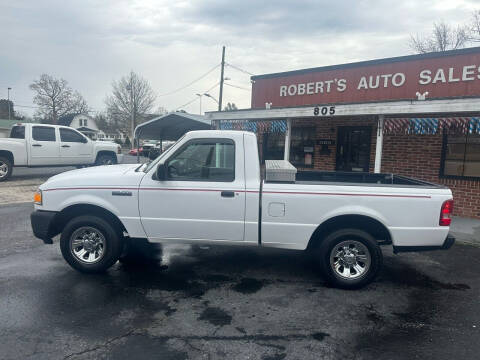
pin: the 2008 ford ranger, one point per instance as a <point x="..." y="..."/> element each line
<point x="207" y="188"/>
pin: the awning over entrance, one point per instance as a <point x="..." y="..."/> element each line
<point x="273" y="126"/>
<point x="432" y="126"/>
<point x="171" y="126"/>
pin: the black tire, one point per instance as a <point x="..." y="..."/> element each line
<point x="106" y="159"/>
<point x="112" y="249"/>
<point x="4" y="162"/>
<point x="326" y="250"/>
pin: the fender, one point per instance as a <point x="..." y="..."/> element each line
<point x="355" y="210"/>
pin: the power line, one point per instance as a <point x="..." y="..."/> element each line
<point x="240" y="69"/>
<point x="236" y="86"/>
<point x="196" y="98"/>
<point x="190" y="83"/>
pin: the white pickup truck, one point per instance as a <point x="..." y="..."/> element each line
<point x="38" y="145"/>
<point x="207" y="188"/>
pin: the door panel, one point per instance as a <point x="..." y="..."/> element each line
<point x="203" y="196"/>
<point x="353" y="148"/>
<point x="75" y="149"/>
<point x="44" y="147"/>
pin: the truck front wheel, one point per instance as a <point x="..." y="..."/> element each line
<point x="5" y="168"/>
<point x="106" y="159"/>
<point x="350" y="258"/>
<point x="90" y="244"/>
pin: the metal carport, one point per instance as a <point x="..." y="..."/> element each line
<point x="170" y="126"/>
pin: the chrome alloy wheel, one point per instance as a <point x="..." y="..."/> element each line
<point x="3" y="169"/>
<point x="350" y="259"/>
<point x="87" y="244"/>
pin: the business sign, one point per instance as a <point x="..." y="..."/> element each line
<point x="440" y="75"/>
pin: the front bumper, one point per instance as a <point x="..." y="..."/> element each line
<point x="447" y="244"/>
<point x="43" y="225"/>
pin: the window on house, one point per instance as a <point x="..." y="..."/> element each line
<point x="302" y="146"/>
<point x="461" y="156"/>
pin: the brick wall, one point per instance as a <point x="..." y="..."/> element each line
<point x="419" y="156"/>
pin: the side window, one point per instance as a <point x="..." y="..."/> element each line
<point x="43" y="133"/>
<point x="18" y="132"/>
<point x="461" y="157"/>
<point x="203" y="160"/>
<point x="67" y="135"/>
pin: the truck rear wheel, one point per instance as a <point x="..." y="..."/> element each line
<point x="350" y="258"/>
<point x="5" y="168"/>
<point x="90" y="244"/>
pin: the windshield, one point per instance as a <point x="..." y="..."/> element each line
<point x="160" y="157"/>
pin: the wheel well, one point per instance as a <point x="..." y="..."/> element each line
<point x="8" y="155"/>
<point x="70" y="212"/>
<point x="361" y="222"/>
<point x="106" y="152"/>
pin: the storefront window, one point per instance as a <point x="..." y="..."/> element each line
<point x="273" y="146"/>
<point x="302" y="146"/>
<point x="461" y="156"/>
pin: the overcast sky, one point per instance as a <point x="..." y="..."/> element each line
<point x="170" y="43"/>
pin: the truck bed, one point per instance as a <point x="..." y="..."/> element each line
<point x="358" y="178"/>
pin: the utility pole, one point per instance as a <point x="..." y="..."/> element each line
<point x="221" y="80"/>
<point x="8" y="102"/>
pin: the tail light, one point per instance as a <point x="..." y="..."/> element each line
<point x="446" y="213"/>
<point x="119" y="149"/>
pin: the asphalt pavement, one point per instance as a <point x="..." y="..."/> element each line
<point x="231" y="303"/>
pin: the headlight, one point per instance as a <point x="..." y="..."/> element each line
<point x="37" y="197"/>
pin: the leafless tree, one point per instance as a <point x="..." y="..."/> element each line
<point x="443" y="37"/>
<point x="230" y="107"/>
<point x="474" y="27"/>
<point x="131" y="99"/>
<point x="55" y="99"/>
<point x="161" y="110"/>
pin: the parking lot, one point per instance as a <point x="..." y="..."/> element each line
<point x="227" y="303"/>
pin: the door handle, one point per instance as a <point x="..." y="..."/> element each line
<point x="36" y="145"/>
<point x="228" y="194"/>
<point x="65" y="145"/>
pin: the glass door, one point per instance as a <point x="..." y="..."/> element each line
<point x="353" y="148"/>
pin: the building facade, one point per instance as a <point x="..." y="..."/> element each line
<point x="417" y="116"/>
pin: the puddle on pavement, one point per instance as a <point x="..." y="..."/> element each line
<point x="248" y="286"/>
<point x="215" y="316"/>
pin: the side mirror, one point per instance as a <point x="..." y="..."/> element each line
<point x="84" y="140"/>
<point x="162" y="172"/>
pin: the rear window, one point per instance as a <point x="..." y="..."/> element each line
<point x="18" y="132"/>
<point x="43" y="133"/>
